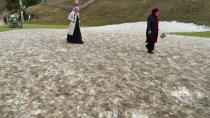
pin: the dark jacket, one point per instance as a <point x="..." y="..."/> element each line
<point x="5" y="19"/>
<point x="151" y="27"/>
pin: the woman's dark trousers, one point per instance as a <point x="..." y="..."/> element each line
<point x="150" y="46"/>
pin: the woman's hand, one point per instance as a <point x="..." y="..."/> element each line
<point x="150" y="32"/>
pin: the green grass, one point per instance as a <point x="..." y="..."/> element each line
<point x="106" y="12"/>
<point x="33" y="26"/>
<point x="198" y="34"/>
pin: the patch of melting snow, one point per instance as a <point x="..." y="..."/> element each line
<point x="92" y="92"/>
<point x="100" y="115"/>
<point x="140" y="27"/>
<point x="183" y="95"/>
<point x="36" y="112"/>
<point x="114" y="114"/>
<point x="62" y="50"/>
<point x="116" y="101"/>
<point x="138" y="115"/>
<point x="186" y="96"/>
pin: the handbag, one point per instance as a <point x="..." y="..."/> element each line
<point x="162" y="35"/>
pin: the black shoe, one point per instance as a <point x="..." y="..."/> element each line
<point x="147" y="46"/>
<point x="150" y="52"/>
<point x="80" y="42"/>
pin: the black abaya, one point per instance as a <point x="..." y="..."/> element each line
<point x="77" y="37"/>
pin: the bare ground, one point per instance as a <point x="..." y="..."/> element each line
<point x="110" y="76"/>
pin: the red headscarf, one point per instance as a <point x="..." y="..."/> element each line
<point x="155" y="10"/>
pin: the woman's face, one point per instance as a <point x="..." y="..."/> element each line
<point x="157" y="13"/>
<point x="77" y="10"/>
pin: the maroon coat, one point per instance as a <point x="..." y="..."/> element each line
<point x="152" y="25"/>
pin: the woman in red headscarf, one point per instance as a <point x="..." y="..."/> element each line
<point x="152" y="30"/>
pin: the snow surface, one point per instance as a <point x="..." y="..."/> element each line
<point x="1" y="23"/>
<point x="51" y="73"/>
<point x="140" y="27"/>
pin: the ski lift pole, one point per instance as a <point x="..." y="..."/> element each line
<point x="21" y="24"/>
<point x="21" y="12"/>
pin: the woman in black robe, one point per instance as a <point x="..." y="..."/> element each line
<point x="152" y="30"/>
<point x="75" y="27"/>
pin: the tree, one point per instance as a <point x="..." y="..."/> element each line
<point x="14" y="4"/>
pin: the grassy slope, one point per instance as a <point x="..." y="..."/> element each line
<point x="119" y="11"/>
<point x="1" y="4"/>
<point x="50" y="15"/>
<point x="66" y="2"/>
<point x="105" y="12"/>
<point x="199" y="34"/>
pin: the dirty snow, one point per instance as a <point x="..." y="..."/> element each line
<point x="110" y="76"/>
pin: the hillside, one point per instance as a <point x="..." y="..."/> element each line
<point x="111" y="12"/>
<point x="2" y="5"/>
<point x="104" y="12"/>
<point x="46" y="14"/>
